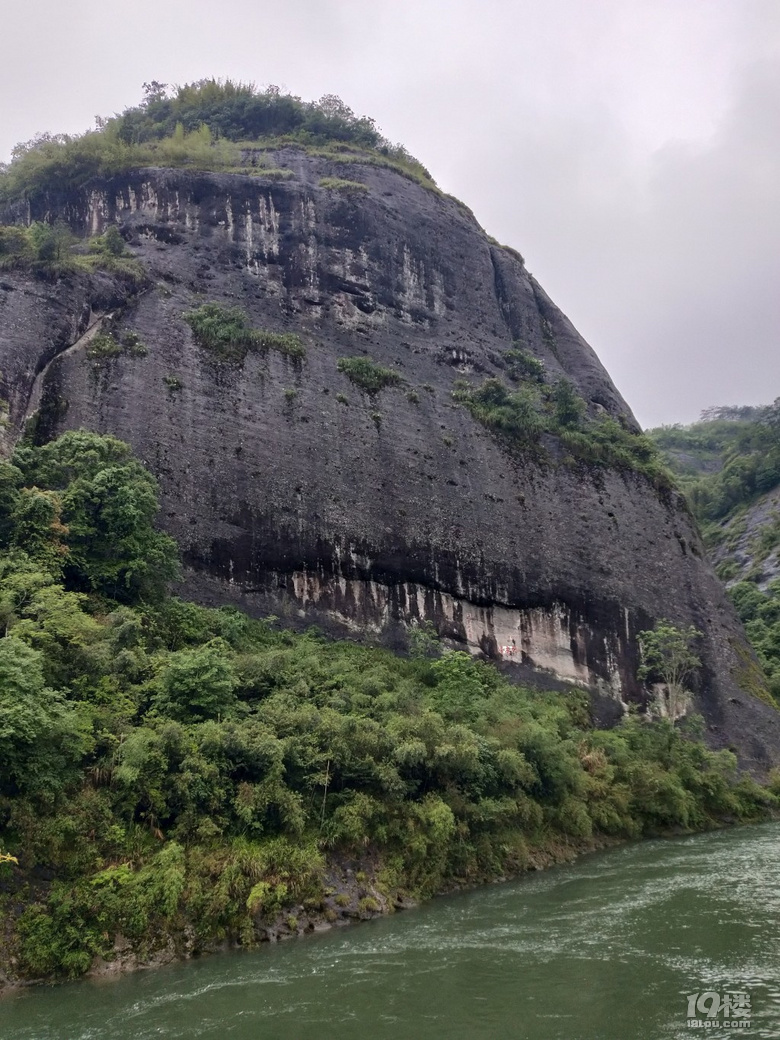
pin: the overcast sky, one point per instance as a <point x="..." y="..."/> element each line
<point x="630" y="149"/>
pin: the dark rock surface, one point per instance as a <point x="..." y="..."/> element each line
<point x="365" y="514"/>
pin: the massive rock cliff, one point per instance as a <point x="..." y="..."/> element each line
<point x="293" y="492"/>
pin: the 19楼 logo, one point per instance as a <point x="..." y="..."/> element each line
<point x="709" y="1010"/>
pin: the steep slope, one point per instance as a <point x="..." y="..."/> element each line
<point x="729" y="464"/>
<point x="292" y="490"/>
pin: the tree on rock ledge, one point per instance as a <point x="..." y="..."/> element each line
<point x="668" y="657"/>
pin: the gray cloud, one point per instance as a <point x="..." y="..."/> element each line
<point x="630" y="151"/>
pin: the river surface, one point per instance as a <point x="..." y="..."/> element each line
<point x="610" y="947"/>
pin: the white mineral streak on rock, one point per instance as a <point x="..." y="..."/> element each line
<point x="261" y="241"/>
<point x="421" y="289"/>
<point x="309" y="250"/>
<point x="308" y="214"/>
<point x="353" y="268"/>
<point x="459" y="583"/>
<point x="310" y="261"/>
<point x="540" y="638"/>
<point x="249" y="243"/>
<point x="268" y="226"/>
<point x="437" y="294"/>
<point x="97" y="211"/>
<point x="191" y="217"/>
<point x="411" y="292"/>
<point x="229" y="220"/>
<point x="149" y="202"/>
<point x="611" y="659"/>
<point x="362" y="266"/>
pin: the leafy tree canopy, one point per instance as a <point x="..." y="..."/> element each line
<point x="101" y="502"/>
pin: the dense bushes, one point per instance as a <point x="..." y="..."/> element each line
<point x="760" y="612"/>
<point x="84" y="507"/>
<point x="725" y="463"/>
<point x="172" y="765"/>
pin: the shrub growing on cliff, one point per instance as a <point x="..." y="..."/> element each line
<point x="103" y="347"/>
<point x="668" y="657"/>
<point x="46" y="248"/>
<point x="227" y="334"/>
<point x="344" y="186"/>
<point x="518" y="418"/>
<point x="523" y="365"/>
<point x="515" y="415"/>
<point x="367" y="374"/>
<point x="52" y="250"/>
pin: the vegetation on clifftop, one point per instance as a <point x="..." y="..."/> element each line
<point x="167" y="769"/>
<point x="211" y="125"/>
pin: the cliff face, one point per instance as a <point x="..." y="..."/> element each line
<point x="291" y="491"/>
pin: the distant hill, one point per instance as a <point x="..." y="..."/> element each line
<point x="729" y="466"/>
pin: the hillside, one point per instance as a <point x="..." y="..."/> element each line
<point x="729" y="467"/>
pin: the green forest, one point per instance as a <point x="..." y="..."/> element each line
<point x="171" y="773"/>
<point x="728" y="464"/>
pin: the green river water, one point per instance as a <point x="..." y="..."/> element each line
<point x="609" y="947"/>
